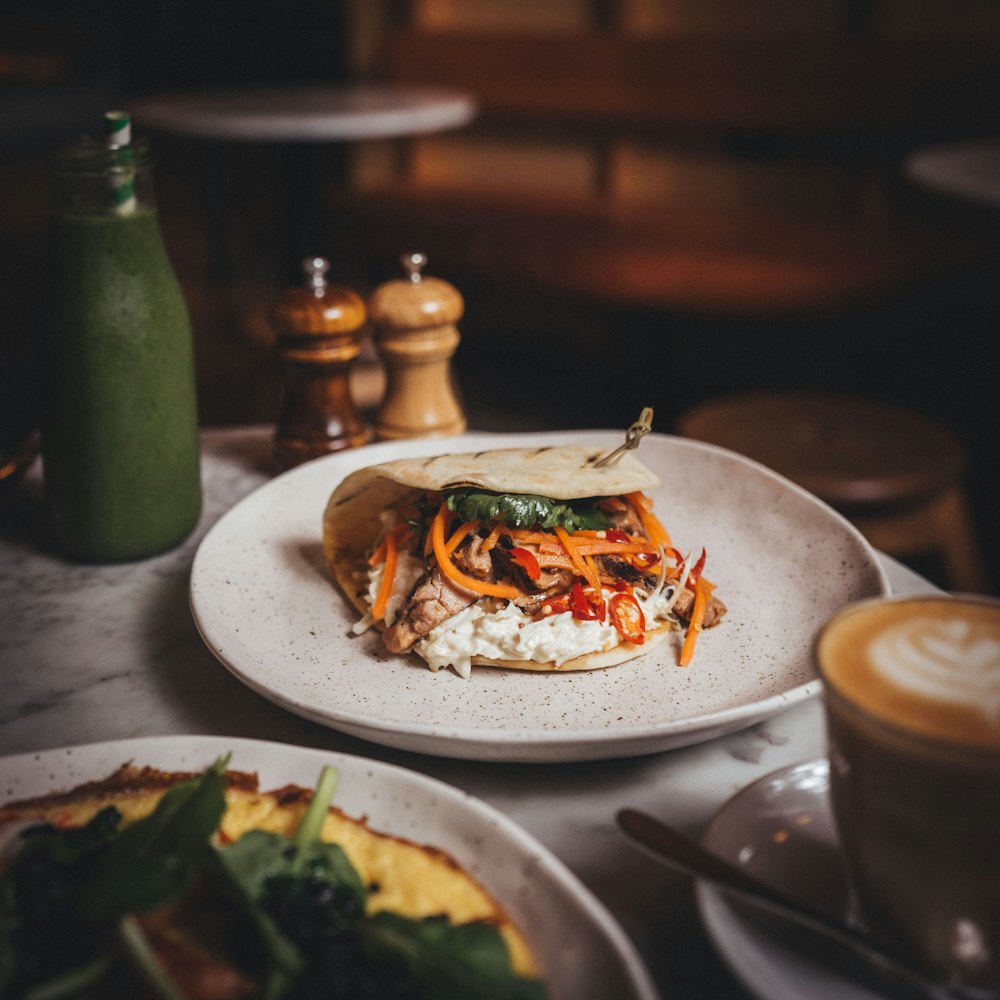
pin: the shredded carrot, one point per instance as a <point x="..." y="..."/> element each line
<point x="567" y="543"/>
<point x="559" y="559"/>
<point x="655" y="531"/>
<point x="535" y="537"/>
<point x="493" y="537"/>
<point x="378" y="555"/>
<point x="614" y="548"/>
<point x="579" y="563"/>
<point x="385" y="587"/>
<point x="453" y="573"/>
<point x="448" y="517"/>
<point x="702" y="590"/>
<point x="460" y="532"/>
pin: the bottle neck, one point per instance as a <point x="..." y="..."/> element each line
<point x="89" y="179"/>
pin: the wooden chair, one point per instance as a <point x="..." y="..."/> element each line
<point x="897" y="475"/>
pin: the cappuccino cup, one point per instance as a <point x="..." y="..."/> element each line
<point x="912" y="703"/>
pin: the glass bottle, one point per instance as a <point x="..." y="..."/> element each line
<point x="119" y="414"/>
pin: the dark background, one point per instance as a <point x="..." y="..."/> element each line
<point x="531" y="354"/>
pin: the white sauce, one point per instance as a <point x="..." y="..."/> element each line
<point x="507" y="634"/>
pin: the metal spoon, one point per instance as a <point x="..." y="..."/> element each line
<point x="686" y="855"/>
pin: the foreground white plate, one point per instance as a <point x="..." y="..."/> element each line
<point x="781" y="829"/>
<point x="782" y="561"/>
<point x="580" y="949"/>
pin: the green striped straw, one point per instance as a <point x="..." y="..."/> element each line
<point x="118" y="138"/>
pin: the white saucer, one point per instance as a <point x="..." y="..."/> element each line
<point x="780" y="829"/>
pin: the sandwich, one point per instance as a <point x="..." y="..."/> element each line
<point x="202" y="886"/>
<point x="520" y="558"/>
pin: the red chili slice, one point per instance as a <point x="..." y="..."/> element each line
<point x="583" y="608"/>
<point x="556" y="606"/>
<point x="581" y="602"/>
<point x="628" y="619"/>
<point x="696" y="570"/>
<point x="645" y="560"/>
<point x="617" y="535"/>
<point x="527" y="562"/>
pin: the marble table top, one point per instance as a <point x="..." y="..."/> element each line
<point x="94" y="653"/>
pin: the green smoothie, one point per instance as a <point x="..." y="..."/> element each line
<point x="120" y="429"/>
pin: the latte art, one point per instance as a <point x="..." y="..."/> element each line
<point x="923" y="664"/>
<point x="945" y="660"/>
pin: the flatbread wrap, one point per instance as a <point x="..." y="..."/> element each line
<point x="522" y="558"/>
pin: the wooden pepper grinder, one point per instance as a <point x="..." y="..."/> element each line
<point x="415" y="336"/>
<point x="320" y="329"/>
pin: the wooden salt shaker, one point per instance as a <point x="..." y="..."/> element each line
<point x="320" y="329"/>
<point x="415" y="336"/>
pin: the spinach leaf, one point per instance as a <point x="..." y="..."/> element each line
<point x="447" y="961"/>
<point x="67" y="891"/>
<point x="291" y="888"/>
<point x="157" y="857"/>
<point x="39" y="933"/>
<point x="528" y="510"/>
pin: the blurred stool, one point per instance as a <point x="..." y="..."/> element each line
<point x="896" y="475"/>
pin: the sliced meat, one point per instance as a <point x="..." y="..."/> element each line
<point x="554" y="579"/>
<point x="613" y="566"/>
<point x="714" y="610"/>
<point x="470" y="558"/>
<point x="435" y="598"/>
<point x="531" y="604"/>
<point x="624" y="518"/>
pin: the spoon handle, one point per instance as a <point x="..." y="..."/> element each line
<point x="688" y="856"/>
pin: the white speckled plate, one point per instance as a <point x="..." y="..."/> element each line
<point x="580" y="949"/>
<point x="781" y="829"/>
<point x="782" y="562"/>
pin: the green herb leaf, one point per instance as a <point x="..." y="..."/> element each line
<point x="157" y="857"/>
<point x="280" y="881"/>
<point x="66" y="891"/>
<point x="447" y="961"/>
<point x="528" y="510"/>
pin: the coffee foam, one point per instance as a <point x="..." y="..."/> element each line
<point x="950" y="660"/>
<point x="928" y="664"/>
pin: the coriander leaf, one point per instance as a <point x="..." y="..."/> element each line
<point x="528" y="510"/>
<point x="446" y="961"/>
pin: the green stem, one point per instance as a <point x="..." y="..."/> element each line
<point x="138" y="948"/>
<point x="69" y="983"/>
<point x="312" y="822"/>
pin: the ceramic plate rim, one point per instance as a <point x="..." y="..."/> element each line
<point x="760" y="971"/>
<point x="46" y="767"/>
<point x="533" y="744"/>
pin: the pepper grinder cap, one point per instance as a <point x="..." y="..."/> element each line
<point x="416" y="301"/>
<point x="317" y="308"/>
